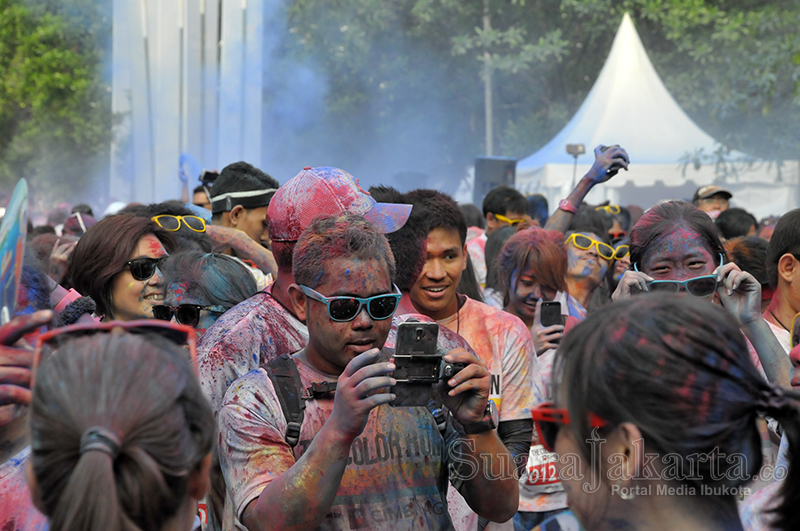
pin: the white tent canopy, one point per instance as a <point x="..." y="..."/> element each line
<point x="630" y="106"/>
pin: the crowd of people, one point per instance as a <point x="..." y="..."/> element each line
<point x="243" y="358"/>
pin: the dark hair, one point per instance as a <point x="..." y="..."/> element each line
<point x="185" y="238"/>
<point x="750" y="254"/>
<point x="538" y="209"/>
<point x="101" y="254"/>
<point x="587" y="219"/>
<point x="666" y="217"/>
<point x="468" y="284"/>
<point x="735" y="222"/>
<point x="502" y="200"/>
<point x="473" y="215"/>
<point x="623" y="218"/>
<point x="494" y="244"/>
<point x="83" y="208"/>
<point x="785" y="239"/>
<point x="41" y="229"/>
<point x="138" y="388"/>
<point x="408" y="242"/>
<point x="678" y="368"/>
<point x="439" y="212"/>
<point x="202" y="188"/>
<point x="346" y="235"/>
<point x="216" y="279"/>
<point x="544" y="250"/>
<point x="241" y="177"/>
<point x="283" y="252"/>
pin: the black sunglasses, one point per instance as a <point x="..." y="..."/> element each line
<point x="143" y="268"/>
<point x="185" y="314"/>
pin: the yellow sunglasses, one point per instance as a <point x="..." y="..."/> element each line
<point x="173" y="223"/>
<point x="609" y="209"/>
<point x="585" y="243"/>
<point x="622" y="251"/>
<point x="512" y="222"/>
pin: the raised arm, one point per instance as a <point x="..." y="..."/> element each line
<point x="245" y="247"/>
<point x="598" y="173"/>
<point x="740" y="294"/>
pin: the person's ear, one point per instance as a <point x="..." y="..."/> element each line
<point x="787" y="267"/>
<point x="624" y="454"/>
<point x="33" y="486"/>
<point x="236" y="214"/>
<point x="464" y="255"/>
<point x="491" y="221"/>
<point x="298" y="299"/>
<point x="199" y="482"/>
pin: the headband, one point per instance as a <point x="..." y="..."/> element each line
<point x="250" y="199"/>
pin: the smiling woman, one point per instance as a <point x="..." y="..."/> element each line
<point x="116" y="264"/>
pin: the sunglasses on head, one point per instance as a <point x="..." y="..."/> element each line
<point x="144" y="268"/>
<point x="344" y="308"/>
<point x="585" y="243"/>
<point x="702" y="286"/>
<point x="512" y="222"/>
<point x="173" y="223"/>
<point x="48" y="343"/>
<point x="185" y="314"/>
<point x="609" y="209"/>
<point x="548" y="419"/>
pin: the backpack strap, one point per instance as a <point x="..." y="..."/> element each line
<point x="286" y="381"/>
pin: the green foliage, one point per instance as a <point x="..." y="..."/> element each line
<point x="54" y="108"/>
<point x="734" y="66"/>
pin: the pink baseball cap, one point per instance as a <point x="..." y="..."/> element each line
<point x="323" y="192"/>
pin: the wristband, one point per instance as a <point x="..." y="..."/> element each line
<point x="566" y="206"/>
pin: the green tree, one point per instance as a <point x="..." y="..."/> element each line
<point x="55" y="112"/>
<point x="734" y="67"/>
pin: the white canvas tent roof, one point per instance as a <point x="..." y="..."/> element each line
<point x="630" y="106"/>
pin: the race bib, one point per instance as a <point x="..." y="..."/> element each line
<point x="541" y="471"/>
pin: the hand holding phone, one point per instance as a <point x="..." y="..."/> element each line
<point x="548" y="326"/>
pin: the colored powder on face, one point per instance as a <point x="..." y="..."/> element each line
<point x="155" y="247"/>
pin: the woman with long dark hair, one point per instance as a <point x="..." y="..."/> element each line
<point x="116" y="263"/>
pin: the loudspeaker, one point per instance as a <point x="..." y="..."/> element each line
<point x="491" y="172"/>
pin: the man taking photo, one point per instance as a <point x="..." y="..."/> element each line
<point x="359" y="462"/>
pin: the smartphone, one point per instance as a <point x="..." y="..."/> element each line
<point x="614" y="168"/>
<point x="550" y="314"/>
<point x="417" y="363"/>
<point x="208" y="177"/>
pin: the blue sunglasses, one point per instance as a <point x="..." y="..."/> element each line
<point x="344" y="308"/>
<point x="703" y="286"/>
